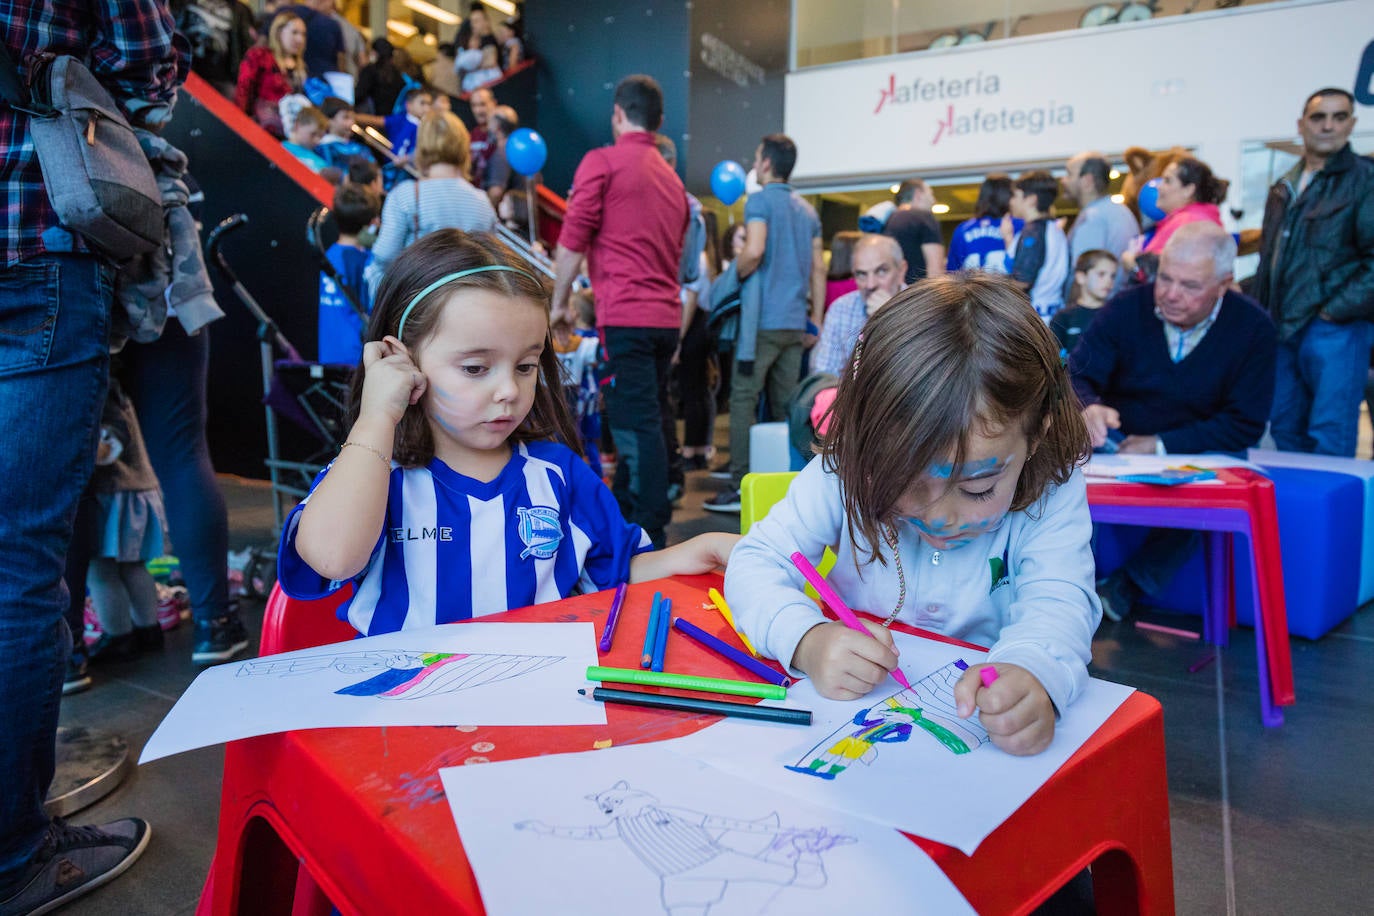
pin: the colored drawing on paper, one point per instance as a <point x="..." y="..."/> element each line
<point x="928" y="707"/>
<point x="405" y="675"/>
<point x="698" y="857"/>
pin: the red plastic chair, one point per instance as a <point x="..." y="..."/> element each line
<point x="258" y="866"/>
<point x="289" y="624"/>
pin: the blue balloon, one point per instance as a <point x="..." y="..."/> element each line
<point x="1148" y="201"/>
<point x="727" y="181"/>
<point x="526" y="151"/>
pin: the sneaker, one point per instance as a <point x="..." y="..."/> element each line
<point x="1117" y="594"/>
<point x="74" y="861"/>
<point x="722" y="470"/>
<point x="694" y="463"/>
<point x="724" y="501"/>
<point x="107" y="648"/>
<point x="675" y="492"/>
<point x="172" y="606"/>
<point x="219" y="640"/>
<point x="76" y="679"/>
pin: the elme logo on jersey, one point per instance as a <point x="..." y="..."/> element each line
<point x="958" y="122"/>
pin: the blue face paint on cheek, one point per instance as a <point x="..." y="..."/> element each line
<point x="934" y="528"/>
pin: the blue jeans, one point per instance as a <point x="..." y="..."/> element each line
<point x="54" y="359"/>
<point x="639" y="359"/>
<point x="1319" y="381"/>
<point x="166" y="381"/>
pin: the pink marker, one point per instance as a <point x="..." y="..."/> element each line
<point x="988" y="674"/>
<point x="841" y="609"/>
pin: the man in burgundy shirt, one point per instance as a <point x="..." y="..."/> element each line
<point x="627" y="214"/>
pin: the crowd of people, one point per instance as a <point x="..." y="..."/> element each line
<point x="951" y="394"/>
<point x="306" y="75"/>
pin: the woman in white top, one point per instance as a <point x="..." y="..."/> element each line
<point x="442" y="199"/>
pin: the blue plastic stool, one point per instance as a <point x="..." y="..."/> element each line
<point x="1358" y="468"/>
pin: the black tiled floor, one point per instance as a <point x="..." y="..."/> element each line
<point x="1301" y="816"/>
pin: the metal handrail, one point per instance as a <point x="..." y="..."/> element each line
<point x="524" y="249"/>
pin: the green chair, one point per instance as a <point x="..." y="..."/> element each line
<point x="758" y="493"/>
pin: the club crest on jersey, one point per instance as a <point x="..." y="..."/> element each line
<point x="540" y="531"/>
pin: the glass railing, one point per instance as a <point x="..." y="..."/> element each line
<point x="832" y="31"/>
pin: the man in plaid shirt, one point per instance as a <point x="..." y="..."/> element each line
<point x="55" y="300"/>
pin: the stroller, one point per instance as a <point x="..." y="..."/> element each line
<point x="312" y="396"/>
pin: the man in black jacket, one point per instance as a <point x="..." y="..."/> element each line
<point x="1316" y="277"/>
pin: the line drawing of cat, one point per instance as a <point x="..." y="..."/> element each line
<point x="698" y="857"/>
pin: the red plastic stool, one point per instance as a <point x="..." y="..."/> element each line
<point x="1243" y="503"/>
<point x="259" y="865"/>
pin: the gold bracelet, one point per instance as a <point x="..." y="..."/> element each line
<point x="385" y="460"/>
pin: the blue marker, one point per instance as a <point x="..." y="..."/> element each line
<point x="651" y="632"/>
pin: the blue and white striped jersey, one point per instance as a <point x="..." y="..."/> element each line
<point x="454" y="548"/>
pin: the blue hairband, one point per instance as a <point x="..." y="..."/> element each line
<point x="449" y="278"/>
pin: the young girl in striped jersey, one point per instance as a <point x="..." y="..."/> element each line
<point x="456" y="493"/>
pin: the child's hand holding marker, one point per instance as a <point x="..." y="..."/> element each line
<point x="1011" y="705"/>
<point x="845" y="664"/>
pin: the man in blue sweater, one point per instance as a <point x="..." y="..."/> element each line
<point x="1182" y="365"/>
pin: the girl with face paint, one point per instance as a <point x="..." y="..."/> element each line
<point x="947" y="486"/>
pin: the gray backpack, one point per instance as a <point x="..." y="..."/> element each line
<point x="96" y="174"/>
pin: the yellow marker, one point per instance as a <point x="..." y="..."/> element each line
<point x="719" y="601"/>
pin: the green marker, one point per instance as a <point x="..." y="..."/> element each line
<point x="686" y="682"/>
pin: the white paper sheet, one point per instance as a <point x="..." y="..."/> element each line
<point x="887" y="767"/>
<point x="457" y="674"/>
<point x="640" y="830"/>
<point x="1113" y="466"/>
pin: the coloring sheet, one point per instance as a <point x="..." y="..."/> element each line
<point x="455" y="674"/>
<point x="1112" y="466"/>
<point x="902" y="758"/>
<point x="640" y="830"/>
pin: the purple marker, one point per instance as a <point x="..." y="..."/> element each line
<point x="961" y="664"/>
<point x="608" y="634"/>
<point x="724" y="649"/>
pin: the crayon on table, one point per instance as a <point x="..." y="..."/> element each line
<point x="695" y="704"/>
<point x="613" y="618"/>
<point x="842" y="611"/>
<point x="665" y="610"/>
<point x="651" y="632"/>
<point x="686" y="682"/>
<point x="725" y="650"/>
<point x="719" y="601"/>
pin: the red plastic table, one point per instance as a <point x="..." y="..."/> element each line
<point x="356" y="817"/>
<point x="1243" y="503"/>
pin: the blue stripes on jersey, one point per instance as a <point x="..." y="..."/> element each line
<point x="455" y="548"/>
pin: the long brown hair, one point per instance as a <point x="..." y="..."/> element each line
<point x="434" y="256"/>
<point x="942" y="359"/>
<point x="1086" y="262"/>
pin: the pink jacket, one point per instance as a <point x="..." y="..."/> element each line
<point x="1183" y="215"/>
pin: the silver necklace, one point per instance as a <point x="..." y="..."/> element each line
<point x="890" y="536"/>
